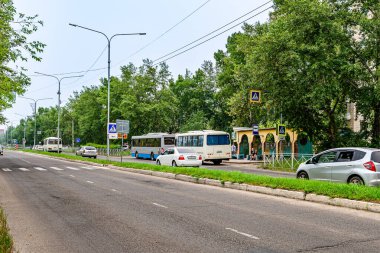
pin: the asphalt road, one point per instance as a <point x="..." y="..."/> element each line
<point x="58" y="206"/>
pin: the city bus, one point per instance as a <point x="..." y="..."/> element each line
<point x="213" y="146"/>
<point x="51" y="144"/>
<point x="151" y="145"/>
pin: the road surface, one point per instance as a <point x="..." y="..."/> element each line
<point x="58" y="206"/>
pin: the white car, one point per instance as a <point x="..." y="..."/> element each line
<point x="179" y="157"/>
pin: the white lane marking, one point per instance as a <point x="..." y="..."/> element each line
<point x="114" y="190"/>
<point x="241" y="233"/>
<point x="23" y="169"/>
<point x="160" y="205"/>
<point x="72" y="168"/>
<point x="87" y="168"/>
<point x="55" y="168"/>
<point x="72" y="176"/>
<point x="39" y="168"/>
<point x="6" y="169"/>
<point x="90" y="182"/>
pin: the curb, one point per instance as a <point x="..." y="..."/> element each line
<point x="311" y="197"/>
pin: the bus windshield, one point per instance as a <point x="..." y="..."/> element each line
<point x="53" y="141"/>
<point x="169" y="141"/>
<point x="213" y="140"/>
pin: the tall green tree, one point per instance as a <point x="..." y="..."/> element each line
<point x="15" y="47"/>
<point x="305" y="62"/>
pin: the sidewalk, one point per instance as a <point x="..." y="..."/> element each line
<point x="243" y="161"/>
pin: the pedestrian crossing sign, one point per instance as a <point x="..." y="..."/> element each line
<point x="255" y="96"/>
<point x="112" y="128"/>
<point x="281" y="131"/>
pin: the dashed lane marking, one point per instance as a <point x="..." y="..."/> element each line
<point x="156" y="204"/>
<point x="40" y="169"/>
<point x="242" y="233"/>
<point x="72" y="168"/>
<point x="87" y="168"/>
<point x="6" y="169"/>
<point x="23" y="169"/>
<point x="90" y="182"/>
<point x="55" y="168"/>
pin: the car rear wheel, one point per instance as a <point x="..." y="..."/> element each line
<point x="303" y="175"/>
<point x="174" y="164"/>
<point x="356" y="180"/>
<point x="158" y="162"/>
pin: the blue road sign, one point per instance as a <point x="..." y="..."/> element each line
<point x="255" y="96"/>
<point x="281" y="130"/>
<point x="255" y="129"/>
<point x="112" y="129"/>
<point x="77" y="140"/>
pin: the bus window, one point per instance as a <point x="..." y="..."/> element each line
<point x="168" y="140"/>
<point x="218" y="140"/>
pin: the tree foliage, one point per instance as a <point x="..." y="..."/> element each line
<point x="14" y="47"/>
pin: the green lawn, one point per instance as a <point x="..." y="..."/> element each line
<point x="354" y="192"/>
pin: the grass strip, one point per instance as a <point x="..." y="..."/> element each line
<point x="6" y="241"/>
<point x="333" y="190"/>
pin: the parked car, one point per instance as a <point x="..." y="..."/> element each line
<point x="344" y="165"/>
<point x="87" y="151"/>
<point x="38" y="147"/>
<point x="1" y="150"/>
<point x="179" y="157"/>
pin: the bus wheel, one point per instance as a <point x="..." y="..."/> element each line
<point x="137" y="155"/>
<point x="217" y="162"/>
<point x="152" y="156"/>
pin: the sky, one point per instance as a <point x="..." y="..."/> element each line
<point x="168" y="24"/>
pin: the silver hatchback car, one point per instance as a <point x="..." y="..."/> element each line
<point x="343" y="165"/>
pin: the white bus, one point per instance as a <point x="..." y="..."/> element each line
<point x="212" y="145"/>
<point x="151" y="145"/>
<point x="51" y="144"/>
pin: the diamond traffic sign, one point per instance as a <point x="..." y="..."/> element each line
<point x="112" y="129"/>
<point x="255" y="96"/>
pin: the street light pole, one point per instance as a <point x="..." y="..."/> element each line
<point x="35" y="115"/>
<point x="59" y="96"/>
<point x="109" y="73"/>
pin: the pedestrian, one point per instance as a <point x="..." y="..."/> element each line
<point x="233" y="149"/>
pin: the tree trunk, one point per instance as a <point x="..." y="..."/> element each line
<point x="376" y="126"/>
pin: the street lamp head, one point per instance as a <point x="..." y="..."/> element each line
<point x="73" y="25"/>
<point x="142" y="33"/>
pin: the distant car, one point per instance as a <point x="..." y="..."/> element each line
<point x="1" y="150"/>
<point x="343" y="165"/>
<point x="38" y="147"/>
<point x="87" y="151"/>
<point x="179" y="157"/>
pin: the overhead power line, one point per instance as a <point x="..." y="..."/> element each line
<point x="220" y="28"/>
<point x="166" y="32"/>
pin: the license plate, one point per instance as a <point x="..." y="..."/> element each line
<point x="191" y="157"/>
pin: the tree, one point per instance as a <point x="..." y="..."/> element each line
<point x="14" y="46"/>
<point x="305" y="62"/>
